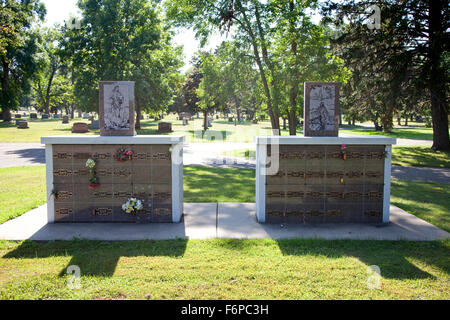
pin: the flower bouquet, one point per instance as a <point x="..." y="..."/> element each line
<point x="132" y="206"/>
<point x="123" y="155"/>
<point x="92" y="178"/>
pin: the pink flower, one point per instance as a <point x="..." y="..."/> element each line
<point x="343" y="146"/>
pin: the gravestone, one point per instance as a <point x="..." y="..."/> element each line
<point x="321" y="112"/>
<point x="56" y="116"/>
<point x="230" y="119"/>
<point x="185" y="115"/>
<point x="23" y="124"/>
<point x="164" y="127"/>
<point x="116" y="108"/>
<point x="95" y="124"/>
<point x="45" y="116"/>
<point x="17" y="116"/>
<point x="65" y="119"/>
<point x="33" y="115"/>
<point x="86" y="116"/>
<point x="185" y="122"/>
<point x="18" y="120"/>
<point x="80" y="127"/>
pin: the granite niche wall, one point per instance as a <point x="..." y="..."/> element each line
<point x="324" y="184"/>
<point x="147" y="176"/>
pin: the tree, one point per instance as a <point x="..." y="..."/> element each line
<point x="208" y="89"/>
<point x="402" y="61"/>
<point x="252" y="23"/>
<point x="123" y="40"/>
<point x="18" y="50"/>
<point x="49" y="83"/>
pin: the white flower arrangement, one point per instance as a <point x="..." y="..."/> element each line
<point x="132" y="205"/>
<point x="90" y="163"/>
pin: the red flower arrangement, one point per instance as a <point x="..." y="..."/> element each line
<point x="123" y="155"/>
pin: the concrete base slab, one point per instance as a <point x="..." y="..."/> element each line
<point x="239" y="221"/>
<point x="211" y="220"/>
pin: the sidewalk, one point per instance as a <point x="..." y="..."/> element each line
<point x="217" y="220"/>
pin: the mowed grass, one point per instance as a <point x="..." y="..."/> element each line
<point x="203" y="184"/>
<point x="21" y="189"/>
<point x="420" y="156"/>
<point x="426" y="200"/>
<point x="420" y="133"/>
<point x="39" y="128"/>
<point x="225" y="269"/>
<point x="221" y="130"/>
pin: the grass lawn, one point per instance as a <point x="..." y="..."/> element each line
<point x="420" y="133"/>
<point x="428" y="201"/>
<point x="225" y="269"/>
<point x="221" y="130"/>
<point x="22" y="189"/>
<point x="420" y="156"/>
<point x="38" y="128"/>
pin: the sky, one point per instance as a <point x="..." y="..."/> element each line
<point x="60" y="10"/>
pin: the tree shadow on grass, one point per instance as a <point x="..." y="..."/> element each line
<point x="97" y="258"/>
<point x="390" y="256"/>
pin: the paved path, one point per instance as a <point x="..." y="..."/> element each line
<point x="204" y="154"/>
<point x="212" y="220"/>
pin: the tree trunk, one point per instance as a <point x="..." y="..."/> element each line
<point x="6" y="112"/>
<point x="439" y="108"/>
<point x="294" y="78"/>
<point x="137" y="124"/>
<point x="274" y="118"/>
<point x="205" y="120"/>
<point x="284" y="123"/>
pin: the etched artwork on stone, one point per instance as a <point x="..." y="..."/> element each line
<point x="117" y="108"/>
<point x="321" y="112"/>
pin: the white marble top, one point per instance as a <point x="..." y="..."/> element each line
<point x="345" y="139"/>
<point x="90" y="139"/>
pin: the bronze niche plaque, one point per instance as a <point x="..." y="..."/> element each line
<point x="321" y="112"/>
<point x="116" y="108"/>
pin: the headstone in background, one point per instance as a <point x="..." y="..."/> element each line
<point x="33" y="116"/>
<point x="230" y="119"/>
<point x="56" y="116"/>
<point x="23" y="124"/>
<point x="17" y="116"/>
<point x="95" y="124"/>
<point x="185" y="115"/>
<point x="116" y="108"/>
<point x="321" y="112"/>
<point x="65" y="119"/>
<point x="18" y="120"/>
<point x="164" y="127"/>
<point x="80" y="127"/>
<point x="255" y="121"/>
<point x="45" y="116"/>
<point x="86" y="116"/>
